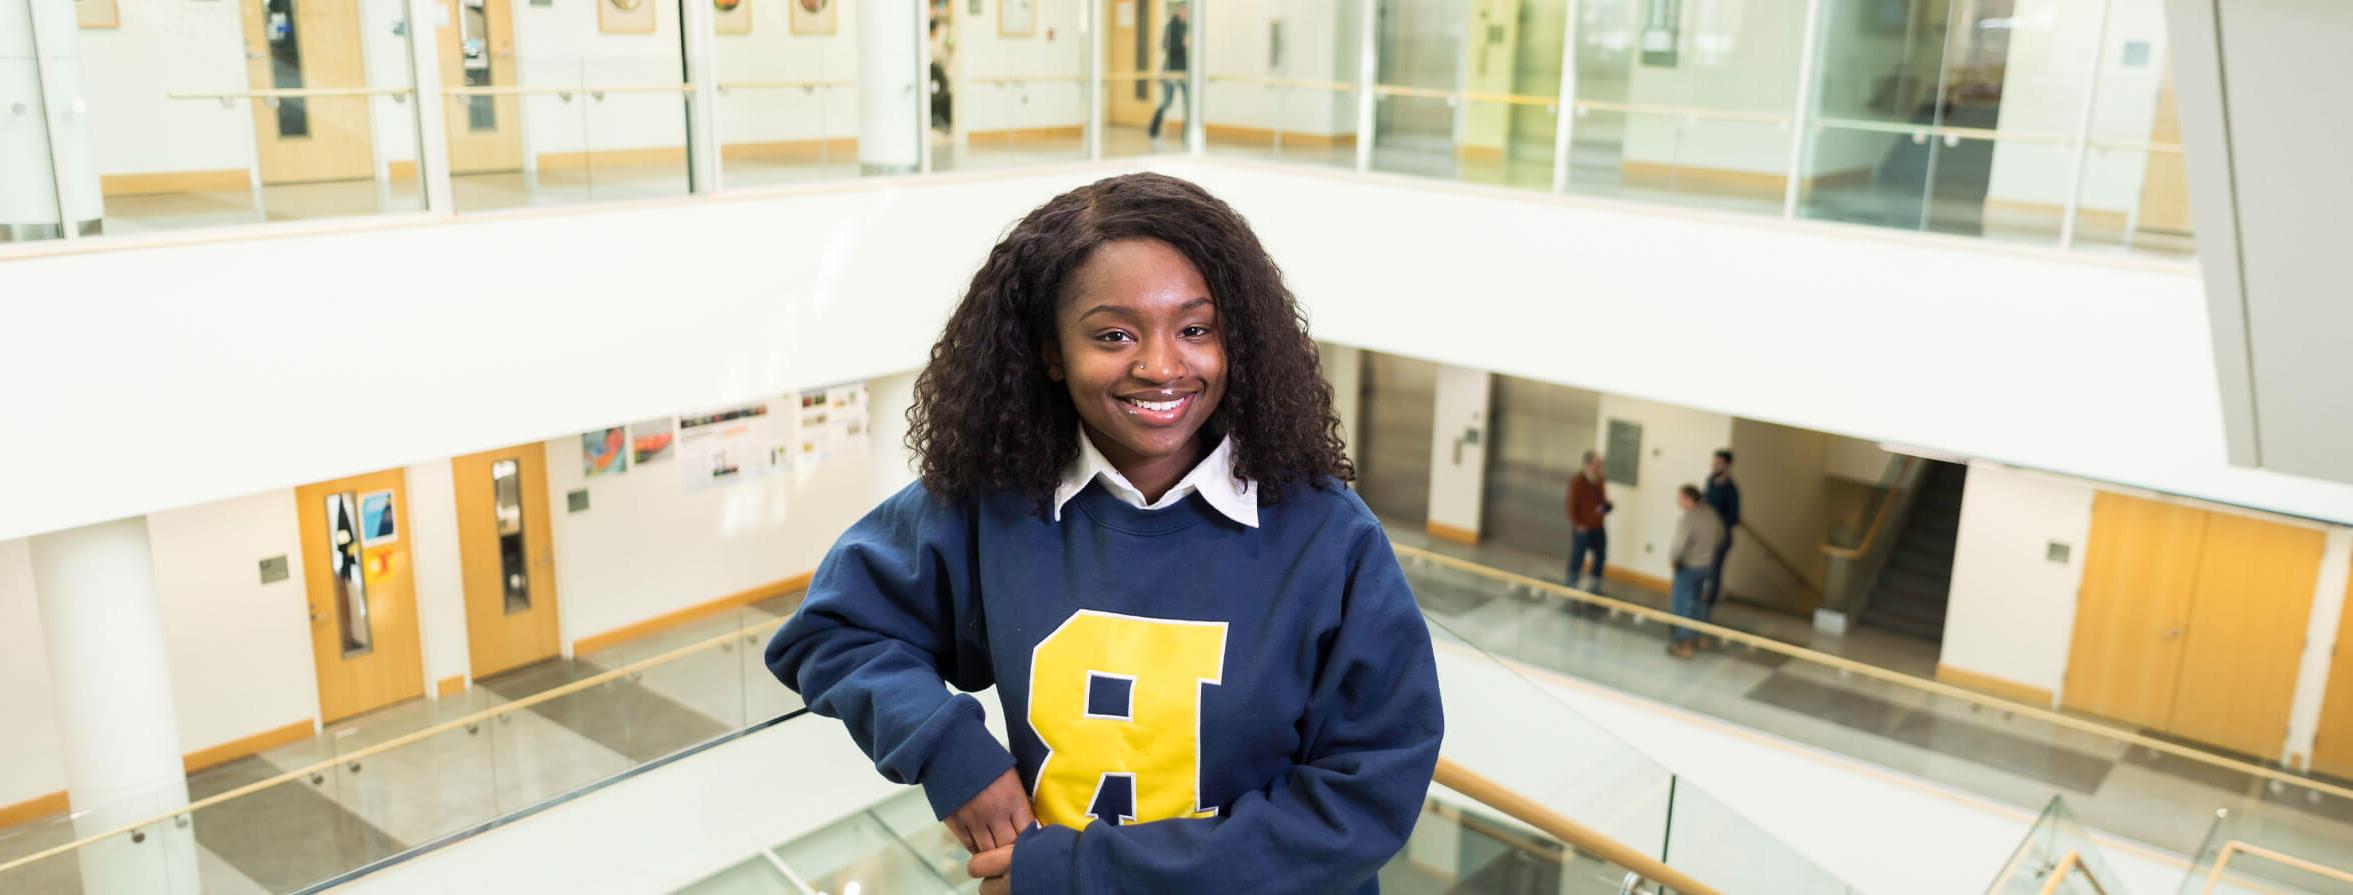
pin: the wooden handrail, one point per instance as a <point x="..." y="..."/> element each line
<point x="476" y="718"/>
<point x="1585" y="839"/>
<point x="288" y="93"/>
<point x="1940" y="130"/>
<point x="1874" y="672"/>
<point x="2236" y="847"/>
<point x="2071" y="862"/>
<point x="1782" y="561"/>
<point x="514" y="90"/>
<point x="1878" y="519"/>
<point x="725" y="86"/>
<point x="1271" y="81"/>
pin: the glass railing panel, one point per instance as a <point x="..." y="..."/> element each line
<point x="142" y="851"/>
<point x="859" y="854"/>
<point x="1414" y="132"/>
<point x="634" y="143"/>
<point x="1711" y="841"/>
<point x="2116" y="779"/>
<point x="2135" y="198"/>
<point x="2056" y="845"/>
<point x="787" y="107"/>
<point x="1692" y="157"/>
<point x="2248" y="851"/>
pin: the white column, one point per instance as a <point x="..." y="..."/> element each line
<point x="702" y="103"/>
<point x="104" y="628"/>
<point x="45" y="143"/>
<point x="1458" y="452"/>
<point x="891" y="106"/>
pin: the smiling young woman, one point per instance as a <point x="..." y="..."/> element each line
<point x="1132" y="522"/>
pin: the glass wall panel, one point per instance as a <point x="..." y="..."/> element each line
<point x="1149" y="47"/>
<point x="1469" y="89"/>
<point x="178" y="115"/>
<point x="788" y="92"/>
<point x="2134" y="194"/>
<point x="1282" y="80"/>
<point x="1017" y="73"/>
<point x="1685" y="102"/>
<point x="548" y="106"/>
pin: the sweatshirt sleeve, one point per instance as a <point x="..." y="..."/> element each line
<point x="889" y="621"/>
<point x="1371" y="737"/>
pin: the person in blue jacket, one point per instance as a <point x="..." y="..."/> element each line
<point x="1132" y="523"/>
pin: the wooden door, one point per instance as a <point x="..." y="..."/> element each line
<point x="2332" y="752"/>
<point x="356" y="569"/>
<point x="1132" y="44"/>
<point x="505" y="544"/>
<point x="308" y="44"/>
<point x="2139" y="571"/>
<point x="2165" y="184"/>
<point x="2244" y="640"/>
<point x="478" y="50"/>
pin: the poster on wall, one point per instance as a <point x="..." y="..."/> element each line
<point x="652" y="441"/>
<point x="732" y="16"/>
<point x="816" y="17"/>
<point x="604" y="452"/>
<point x="1017" y="18"/>
<point x="724" y="446"/>
<point x="625" y="16"/>
<point x="829" y="422"/>
<point x="376" y="519"/>
<point x="97" y="14"/>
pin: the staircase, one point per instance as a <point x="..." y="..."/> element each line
<point x="1909" y="597"/>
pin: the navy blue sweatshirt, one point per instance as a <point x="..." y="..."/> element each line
<point x="1194" y="705"/>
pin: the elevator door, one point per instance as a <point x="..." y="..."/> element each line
<point x="1540" y="432"/>
<point x="507" y="551"/>
<point x="363" y="603"/>
<point x="1399" y="408"/>
<point x="308" y="44"/>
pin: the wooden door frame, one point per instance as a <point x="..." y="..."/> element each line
<point x="394" y="634"/>
<point x="345" y="47"/>
<point x="490" y="636"/>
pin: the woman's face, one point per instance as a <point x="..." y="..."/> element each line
<point x="1137" y="342"/>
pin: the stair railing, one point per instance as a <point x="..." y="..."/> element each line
<point x="1853" y="570"/>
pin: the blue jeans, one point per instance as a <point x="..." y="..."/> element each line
<point x="1688" y="603"/>
<point x="1715" y="589"/>
<point x="1169" y="88"/>
<point x="1595" y="542"/>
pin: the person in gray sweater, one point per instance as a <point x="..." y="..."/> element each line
<point x="1693" y="554"/>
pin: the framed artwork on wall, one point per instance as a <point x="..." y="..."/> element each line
<point x="731" y="16"/>
<point x="816" y="17"/>
<point x="97" y="14"/>
<point x="625" y="16"/>
<point x="1017" y="18"/>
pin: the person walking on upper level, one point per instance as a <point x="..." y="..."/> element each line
<point x="1724" y="496"/>
<point x="1588" y="503"/>
<point x="1693" y="553"/>
<point x="1176" y="41"/>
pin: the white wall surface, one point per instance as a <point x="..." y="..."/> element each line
<point x="1735" y="55"/>
<point x="1856" y="460"/>
<point x="560" y="45"/>
<point x="646" y="547"/>
<point x="1458" y="473"/>
<point x="2053" y="49"/>
<point x="240" y="649"/>
<point x="32" y="755"/>
<point x="2011" y="611"/>
<point x="1344" y="368"/>
<point x="574" y="326"/>
<point x="2060" y="361"/>
<point x="983" y="53"/>
<point x="438" y="572"/>
<point x="890" y="466"/>
<point x="166" y="45"/>
<point x="1319" y="44"/>
<point x="1676" y="445"/>
<point x="1784" y="499"/>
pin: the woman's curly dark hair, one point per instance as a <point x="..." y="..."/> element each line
<point x="987" y="419"/>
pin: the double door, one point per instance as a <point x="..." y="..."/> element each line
<point x="2192" y="621"/>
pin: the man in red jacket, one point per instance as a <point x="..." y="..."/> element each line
<point x="1588" y="502"/>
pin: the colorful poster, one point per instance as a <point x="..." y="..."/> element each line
<point x="652" y="441"/>
<point x="723" y="446"/>
<point x="829" y="422"/>
<point x="604" y="452"/>
<point x="376" y="525"/>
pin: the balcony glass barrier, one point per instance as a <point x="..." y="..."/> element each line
<point x="369" y="789"/>
<point x="2055" y="855"/>
<point x="2118" y="779"/>
<point x="2054" y="129"/>
<point x="2245" y="853"/>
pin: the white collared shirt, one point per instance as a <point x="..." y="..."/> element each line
<point x="1212" y="478"/>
